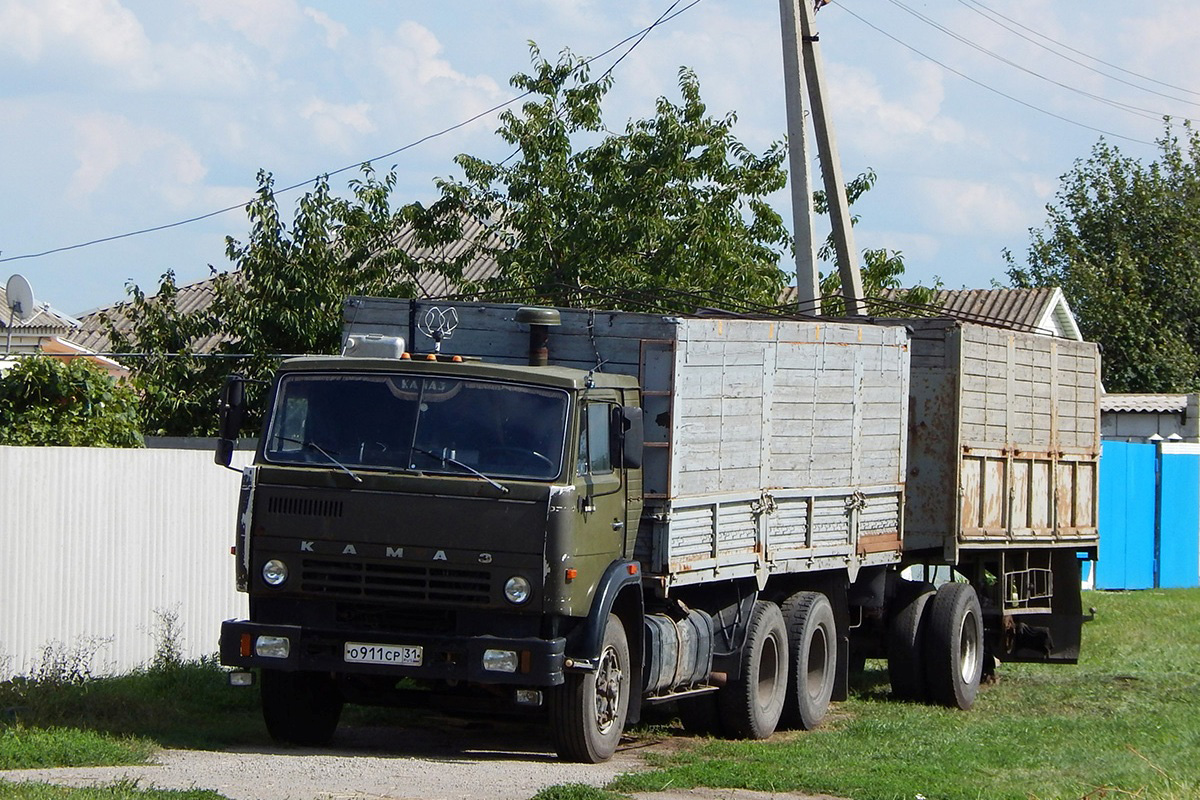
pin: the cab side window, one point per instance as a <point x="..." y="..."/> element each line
<point x="594" y="452"/>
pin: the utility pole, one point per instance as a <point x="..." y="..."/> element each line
<point x="803" y="72"/>
<point x="808" y="280"/>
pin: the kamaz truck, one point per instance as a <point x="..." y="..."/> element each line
<point x="579" y="513"/>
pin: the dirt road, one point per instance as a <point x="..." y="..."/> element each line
<point x="447" y="761"/>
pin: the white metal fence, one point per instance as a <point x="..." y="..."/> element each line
<point x="98" y="546"/>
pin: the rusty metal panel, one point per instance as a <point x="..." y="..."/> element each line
<point x="98" y="542"/>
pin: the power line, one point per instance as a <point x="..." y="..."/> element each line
<point x="983" y="85"/>
<point x="640" y="36"/>
<point x="1131" y="109"/>
<point x="1086" y="55"/>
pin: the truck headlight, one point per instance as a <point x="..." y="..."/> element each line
<point x="500" y="660"/>
<point x="275" y="572"/>
<point x="516" y="590"/>
<point x="272" y="647"/>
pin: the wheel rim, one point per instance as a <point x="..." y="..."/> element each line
<point x="609" y="679"/>
<point x="968" y="648"/>
<point x="768" y="671"/>
<point x="818" y="652"/>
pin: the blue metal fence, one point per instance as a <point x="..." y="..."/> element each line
<point x="1149" y="516"/>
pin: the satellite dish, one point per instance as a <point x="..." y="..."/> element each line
<point x="20" y="298"/>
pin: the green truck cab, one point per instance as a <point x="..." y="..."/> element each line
<point x="450" y="522"/>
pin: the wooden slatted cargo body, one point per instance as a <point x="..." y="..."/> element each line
<point x="1004" y="440"/>
<point x="772" y="446"/>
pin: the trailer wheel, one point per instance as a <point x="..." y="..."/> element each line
<point x="812" y="658"/>
<point x="587" y="713"/>
<point x="954" y="646"/>
<point x="906" y="642"/>
<point x="752" y="704"/>
<point x="300" y="707"/>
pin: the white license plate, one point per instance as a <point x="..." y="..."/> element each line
<point x="402" y="655"/>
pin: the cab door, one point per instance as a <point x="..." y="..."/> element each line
<point x="598" y="480"/>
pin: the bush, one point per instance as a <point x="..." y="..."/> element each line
<point x="48" y="401"/>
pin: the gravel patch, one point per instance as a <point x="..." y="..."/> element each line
<point x="473" y="762"/>
<point x="443" y="760"/>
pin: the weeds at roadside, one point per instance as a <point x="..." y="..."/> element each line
<point x="68" y="665"/>
<point x="577" y="791"/>
<point x="32" y="748"/>
<point x="120" y="790"/>
<point x="168" y="638"/>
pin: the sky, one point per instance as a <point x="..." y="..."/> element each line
<point x="122" y="115"/>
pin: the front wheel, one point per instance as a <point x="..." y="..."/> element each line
<point x="587" y="713"/>
<point x="954" y="646"/>
<point x="752" y="704"/>
<point x="300" y="707"/>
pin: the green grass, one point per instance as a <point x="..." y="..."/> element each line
<point x="121" y="790"/>
<point x="184" y="705"/>
<point x="31" y="748"/>
<point x="575" y="791"/>
<point x="1125" y="720"/>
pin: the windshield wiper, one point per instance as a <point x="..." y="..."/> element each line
<point x="447" y="459"/>
<point x="310" y="445"/>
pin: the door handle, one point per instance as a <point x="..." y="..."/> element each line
<point x="617" y="525"/>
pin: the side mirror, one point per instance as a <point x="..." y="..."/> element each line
<point x="231" y="412"/>
<point x="628" y="436"/>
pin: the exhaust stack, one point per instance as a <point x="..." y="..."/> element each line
<point x="539" y="320"/>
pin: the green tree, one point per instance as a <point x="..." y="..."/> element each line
<point x="284" y="296"/>
<point x="48" y="401"/>
<point x="671" y="207"/>
<point x="881" y="269"/>
<point x="1123" y="242"/>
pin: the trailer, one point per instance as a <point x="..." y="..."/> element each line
<point x="576" y="512"/>
<point x="1002" y="481"/>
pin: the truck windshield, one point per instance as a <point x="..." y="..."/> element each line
<point x="411" y="422"/>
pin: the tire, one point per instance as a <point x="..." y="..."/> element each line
<point x="587" y="713"/>
<point x="812" y="658"/>
<point x="751" y="705"/>
<point x="954" y="646"/>
<point x="906" y="643"/>
<point x="300" y="708"/>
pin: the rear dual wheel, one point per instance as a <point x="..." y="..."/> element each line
<point x="750" y="706"/>
<point x="812" y="658"/>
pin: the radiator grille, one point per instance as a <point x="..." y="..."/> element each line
<point x="305" y="507"/>
<point x="395" y="582"/>
<point x="357" y="616"/>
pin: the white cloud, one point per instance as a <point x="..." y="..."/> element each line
<point x="101" y="32"/>
<point x="336" y="125"/>
<point x="106" y="144"/>
<point x="884" y="122"/>
<point x="411" y="59"/>
<point x="335" y="31"/>
<point x="268" y="24"/>
<point x="963" y="207"/>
